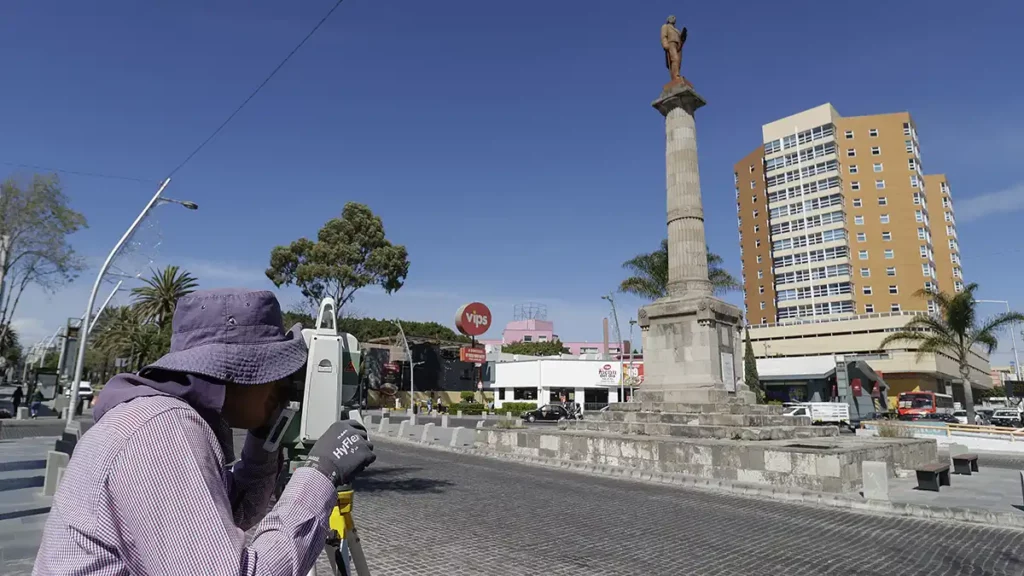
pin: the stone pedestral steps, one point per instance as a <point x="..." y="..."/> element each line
<point x="705" y="418"/>
<point x="711" y="431"/>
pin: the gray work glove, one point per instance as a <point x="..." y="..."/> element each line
<point x="342" y="452"/>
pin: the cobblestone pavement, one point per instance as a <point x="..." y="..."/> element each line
<point x="426" y="512"/>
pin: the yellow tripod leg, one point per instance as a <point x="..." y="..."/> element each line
<point x="342" y="523"/>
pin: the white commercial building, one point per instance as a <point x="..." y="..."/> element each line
<point x="589" y="383"/>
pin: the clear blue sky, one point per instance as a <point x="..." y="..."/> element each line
<point x="510" y="146"/>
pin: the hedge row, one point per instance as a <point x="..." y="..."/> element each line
<point x="475" y="408"/>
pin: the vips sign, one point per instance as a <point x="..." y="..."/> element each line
<point x="473" y="319"/>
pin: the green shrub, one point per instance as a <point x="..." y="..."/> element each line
<point x="467" y="396"/>
<point x="469" y="408"/>
<point x="890" y="429"/>
<point x="516" y="408"/>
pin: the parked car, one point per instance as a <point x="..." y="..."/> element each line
<point x="961" y="416"/>
<point x="84" y="391"/>
<point x="1008" y="418"/>
<point x="548" y="412"/>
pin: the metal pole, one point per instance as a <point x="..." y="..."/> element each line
<point x="412" y="369"/>
<point x="1013" y="337"/>
<point x="631" y="324"/>
<point x="103" y="307"/>
<point x="80" y="361"/>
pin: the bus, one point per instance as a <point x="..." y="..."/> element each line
<point x="924" y="404"/>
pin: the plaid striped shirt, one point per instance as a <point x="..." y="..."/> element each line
<point x="149" y="492"/>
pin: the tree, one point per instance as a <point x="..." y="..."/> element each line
<point x="750" y="375"/>
<point x="365" y="329"/>
<point x="552" y="348"/>
<point x="350" y="252"/>
<point x="35" y="221"/>
<point x="650" y="274"/>
<point x="157" y="299"/>
<point x="10" y="347"/>
<point x="125" y="332"/>
<point x="954" y="331"/>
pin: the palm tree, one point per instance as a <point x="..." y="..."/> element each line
<point x="650" y="274"/>
<point x="953" y="331"/>
<point x="156" y="300"/>
<point x="123" y="332"/>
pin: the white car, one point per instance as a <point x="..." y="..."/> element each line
<point x="961" y="416"/>
<point x="84" y="391"/>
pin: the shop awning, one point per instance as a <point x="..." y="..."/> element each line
<point x="796" y="368"/>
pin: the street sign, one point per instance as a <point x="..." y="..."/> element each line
<point x="474" y="355"/>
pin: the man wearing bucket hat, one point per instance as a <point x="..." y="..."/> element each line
<point x="149" y="490"/>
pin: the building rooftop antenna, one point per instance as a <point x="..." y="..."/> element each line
<point x="530" y="311"/>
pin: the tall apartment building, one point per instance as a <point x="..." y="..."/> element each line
<point x="837" y="218"/>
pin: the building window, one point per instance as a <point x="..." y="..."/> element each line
<point x="924" y="251"/>
<point x="849" y="134"/>
<point x="755" y="213"/>
<point x="912" y="164"/>
<point x="914" y="181"/>
<point x="884" y="218"/>
<point x="751" y="168"/>
<point x="866" y="290"/>
<point x="863" y="255"/>
<point x="918" y="216"/>
<point x="883" y="201"/>
<point x="906" y="128"/>
<point x="921" y="234"/>
<point x="894" y="289"/>
<point x="753" y="184"/>
<point x="851" y="153"/>
<point x="865" y="272"/>
<point x="877" y="167"/>
<point x="760" y="289"/>
<point x="858" y="220"/>
<point x="542" y="338"/>
<point x="862" y="237"/>
<point x="763" y="321"/>
<point x="760" y="274"/>
<point x="762" y="305"/>
<point x="854" y="185"/>
<point x="910" y="146"/>
<point x="873" y="132"/>
<point x="753" y="199"/>
<point x="857" y="203"/>
<point x="889" y="254"/>
<point x="527" y="338"/>
<point x="926" y="270"/>
<point x="757" y="243"/>
<point x="894" y="307"/>
<point x="880" y="184"/>
<point x="756" y="228"/>
<point x="890" y="271"/>
<point x="876" y="151"/>
<point x="868" y="309"/>
<point x="758" y="258"/>
<point x="853" y="168"/>
<point x="887" y="236"/>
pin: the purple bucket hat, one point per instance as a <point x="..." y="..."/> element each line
<point x="234" y="335"/>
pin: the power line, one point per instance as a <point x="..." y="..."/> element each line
<point x="78" y="172"/>
<point x="257" y="90"/>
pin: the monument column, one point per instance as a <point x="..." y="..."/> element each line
<point x="687" y="253"/>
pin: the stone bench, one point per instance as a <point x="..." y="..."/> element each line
<point x="932" y="476"/>
<point x="965" y="464"/>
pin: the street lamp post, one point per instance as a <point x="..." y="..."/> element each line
<point x="632" y="323"/>
<point x="86" y="324"/>
<point x="1013" y="337"/>
<point x="412" y="368"/>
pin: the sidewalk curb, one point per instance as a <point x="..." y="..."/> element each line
<point x="791" y="495"/>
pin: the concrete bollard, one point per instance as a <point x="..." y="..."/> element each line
<point x="876" y="480"/>
<point x="462" y="437"/>
<point x="23" y="413"/>
<point x="385" y="423"/>
<point x="519" y="422"/>
<point x="55" y="464"/>
<point x="480" y="425"/>
<point x="1022" y="483"/>
<point x="402" y="427"/>
<point x="428" y="433"/>
<point x="957" y="449"/>
<point x="385" y="413"/>
<point x="412" y="419"/>
<point x="508" y="415"/>
<point x="459" y="413"/>
<point x="444" y="421"/>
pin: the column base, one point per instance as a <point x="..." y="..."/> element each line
<point x="692" y="342"/>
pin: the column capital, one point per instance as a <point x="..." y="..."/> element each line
<point x="678" y="94"/>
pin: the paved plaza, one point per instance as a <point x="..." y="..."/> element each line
<point x="428" y="512"/>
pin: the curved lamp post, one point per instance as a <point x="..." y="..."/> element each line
<point x="86" y="320"/>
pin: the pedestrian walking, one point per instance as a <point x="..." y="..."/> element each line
<point x="37" y="402"/>
<point x="16" y="399"/>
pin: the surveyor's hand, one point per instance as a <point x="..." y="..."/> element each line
<point x="342" y="452"/>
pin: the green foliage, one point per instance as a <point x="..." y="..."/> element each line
<point x="125" y="332"/>
<point x="468" y="408"/>
<point x="650" y="274"/>
<point x="954" y="331"/>
<point x="157" y="299"/>
<point x="552" y="348"/>
<point x="467" y="396"/>
<point x="365" y="329"/>
<point x="516" y="408"/>
<point x="10" y="347"/>
<point x="994" y="392"/>
<point x="36" y="220"/>
<point x="750" y="376"/>
<point x="350" y="252"/>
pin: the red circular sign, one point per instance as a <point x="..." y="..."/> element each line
<point x="473" y="319"/>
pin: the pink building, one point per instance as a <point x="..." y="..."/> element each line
<point x="534" y="330"/>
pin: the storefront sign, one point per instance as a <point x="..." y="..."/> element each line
<point x="473" y="319"/>
<point x="474" y="355"/>
<point x="608" y="374"/>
